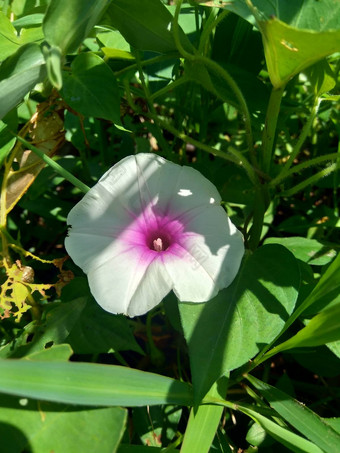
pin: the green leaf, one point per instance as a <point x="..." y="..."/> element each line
<point x="90" y="384"/>
<point x="299" y="416"/>
<point x="321" y="77"/>
<point x="227" y="331"/>
<point x="68" y="22"/>
<point x="19" y="74"/>
<point x="292" y="42"/>
<point x="95" y="330"/>
<point x="9" y="42"/>
<point x="60" y="320"/>
<point x="310" y="251"/>
<point x="60" y="352"/>
<point x="203" y="422"/>
<point x="327" y="288"/>
<point x="145" y="24"/>
<point x="92" y="89"/>
<point x="323" y="328"/>
<point x="286" y="437"/>
<point x="53" y="59"/>
<point x="40" y="427"/>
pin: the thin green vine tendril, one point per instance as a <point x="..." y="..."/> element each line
<point x="235" y="155"/>
<point x="305" y="130"/>
<point x="300" y="167"/>
<point x="56" y="167"/>
<point x="321" y="174"/>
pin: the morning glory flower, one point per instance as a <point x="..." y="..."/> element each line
<point x="150" y="226"/>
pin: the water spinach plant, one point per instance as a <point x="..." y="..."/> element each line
<point x="169" y="222"/>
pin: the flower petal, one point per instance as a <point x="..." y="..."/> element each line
<point x="128" y="284"/>
<point x="142" y="201"/>
<point x="211" y="253"/>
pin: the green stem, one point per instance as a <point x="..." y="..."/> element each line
<point x="56" y="167"/>
<point x="148" y="62"/>
<point x="209" y="26"/>
<point x="221" y="72"/>
<point x="298" y="168"/>
<point x="152" y="109"/>
<point x="169" y="87"/>
<point x="258" y="217"/>
<point x="237" y="157"/>
<point x="304" y="133"/>
<point x="321" y="174"/>
<point x="177" y="40"/>
<point x="268" y="136"/>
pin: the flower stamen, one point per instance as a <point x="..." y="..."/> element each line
<point x="158" y="245"/>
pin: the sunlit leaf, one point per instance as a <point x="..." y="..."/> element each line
<point x="19" y="74"/>
<point x="226" y="332"/>
<point x="90" y="384"/>
<point x="92" y="89"/>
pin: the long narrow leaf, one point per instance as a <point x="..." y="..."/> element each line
<point x="90" y="384"/>
<point x="303" y="419"/>
<point x="284" y="436"/>
<point x="322" y="329"/>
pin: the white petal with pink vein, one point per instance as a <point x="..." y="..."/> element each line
<point x="150" y="226"/>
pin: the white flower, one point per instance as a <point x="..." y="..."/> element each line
<point x="150" y="226"/>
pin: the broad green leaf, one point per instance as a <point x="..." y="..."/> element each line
<point x="299" y="416"/>
<point x="68" y="22"/>
<point x="90" y="384"/>
<point x="114" y="40"/>
<point x="321" y="77"/>
<point x="322" y="329"/>
<point x="226" y="332"/>
<point x="40" y="427"/>
<point x="60" y="319"/>
<point x="286" y="437"/>
<point x="145" y="24"/>
<point x="303" y="14"/>
<point x="310" y="251"/>
<point x="95" y="330"/>
<point x="294" y="39"/>
<point x="19" y="74"/>
<point x="60" y="352"/>
<point x="9" y="41"/>
<point x="92" y="89"/>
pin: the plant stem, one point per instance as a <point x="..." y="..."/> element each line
<point x="237" y="156"/>
<point x="152" y="109"/>
<point x="56" y="167"/>
<point x="298" y="168"/>
<point x="304" y="133"/>
<point x="169" y="87"/>
<point x="321" y="174"/>
<point x="150" y="61"/>
<point x="268" y="136"/>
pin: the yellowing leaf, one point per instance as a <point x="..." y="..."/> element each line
<point x="46" y="132"/>
<point x="17" y="289"/>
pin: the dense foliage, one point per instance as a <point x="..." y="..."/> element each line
<point x="248" y="94"/>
